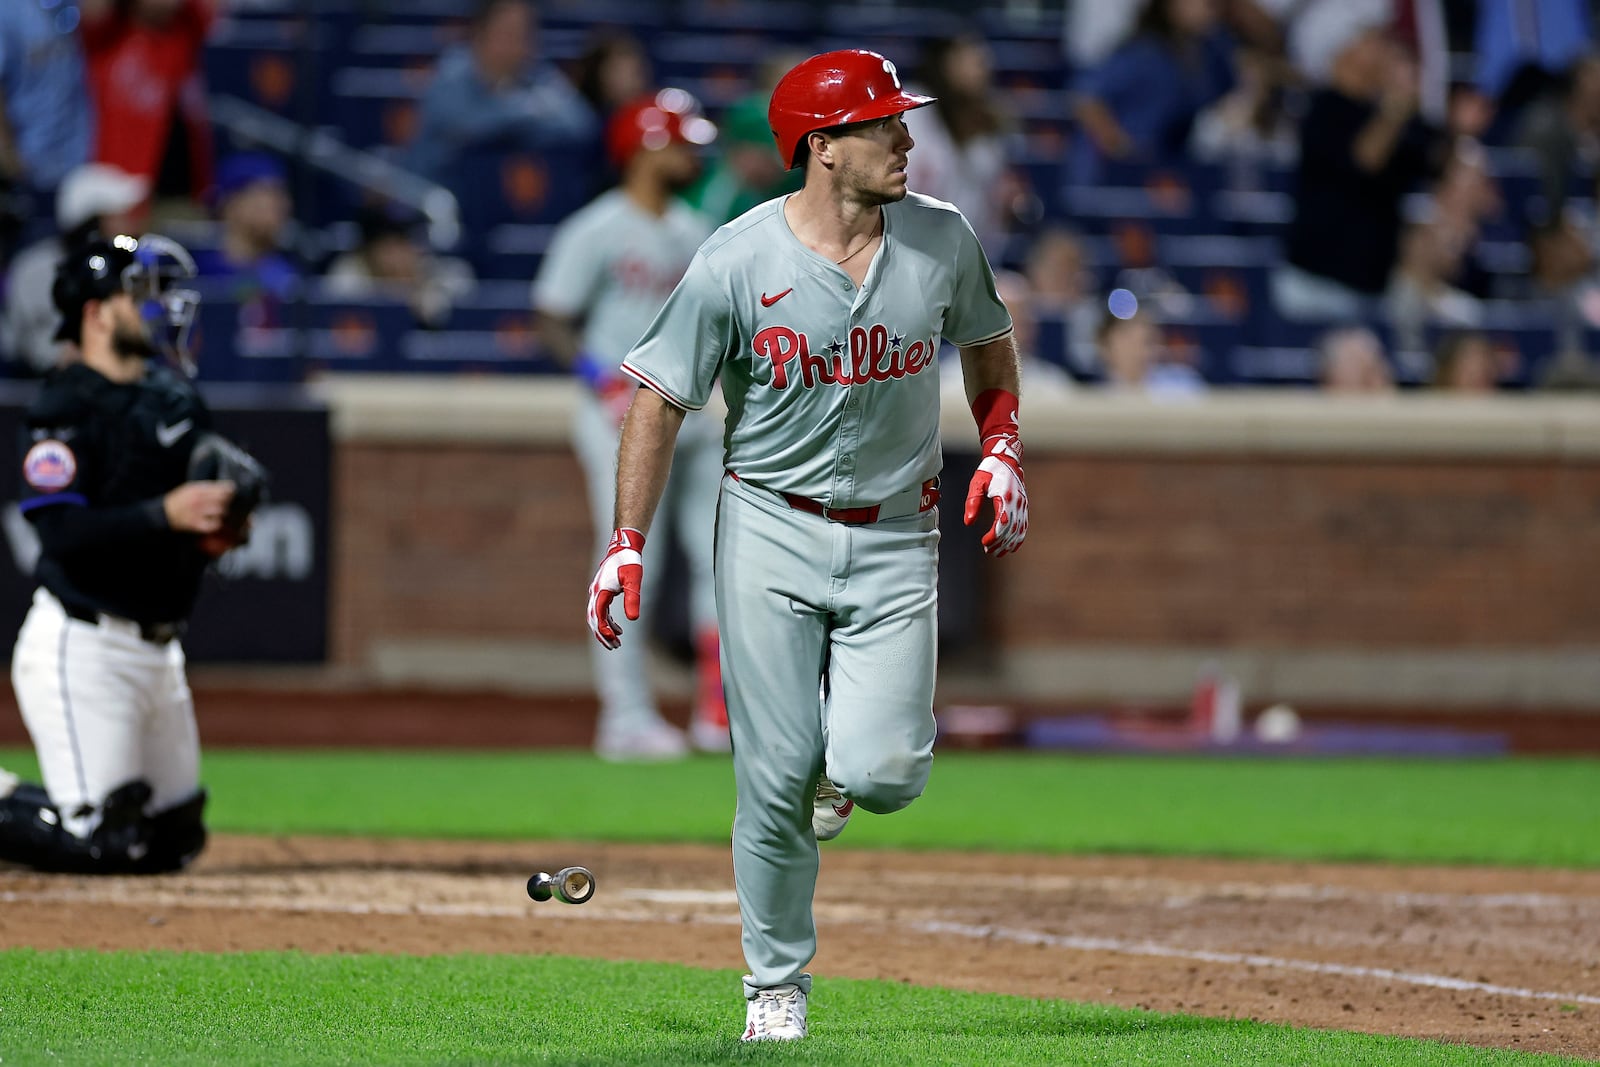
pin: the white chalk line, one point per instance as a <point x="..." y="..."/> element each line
<point x="1180" y="894"/>
<point x="1150" y="948"/>
<point x="1012" y="935"/>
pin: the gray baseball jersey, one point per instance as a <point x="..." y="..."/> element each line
<point x="833" y="391"/>
<point x="612" y="264"/>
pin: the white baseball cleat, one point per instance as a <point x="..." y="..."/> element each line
<point x="776" y="1014"/>
<point x="830" y="811"/>
<point x="648" y="743"/>
<point x="709" y="736"/>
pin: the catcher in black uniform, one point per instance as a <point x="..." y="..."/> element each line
<point x="133" y="497"/>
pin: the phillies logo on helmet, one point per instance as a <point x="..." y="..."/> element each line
<point x="872" y="354"/>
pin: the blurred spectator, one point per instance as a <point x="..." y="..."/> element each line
<point x="1362" y="148"/>
<point x="1465" y="198"/>
<point x="495" y="92"/>
<point x="1563" y="131"/>
<point x="1465" y="362"/>
<point x="1572" y="370"/>
<point x="1064" y="288"/>
<point x="1317" y="29"/>
<point x="1249" y="126"/>
<point x="1522" y="45"/>
<point x="1140" y="105"/>
<point x="95" y="199"/>
<point x="612" y="71"/>
<point x="1420" y="294"/>
<point x="1351" y="360"/>
<point x="747" y="170"/>
<point x="252" y="204"/>
<point x="394" y="262"/>
<point x="1562" y="267"/>
<point x="1132" y="359"/>
<point x="144" y="73"/>
<point x="961" y="140"/>
<point x="46" y="123"/>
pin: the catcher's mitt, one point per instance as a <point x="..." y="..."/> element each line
<point x="217" y="459"/>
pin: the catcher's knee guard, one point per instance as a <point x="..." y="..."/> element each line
<point x="176" y="836"/>
<point x="31" y="834"/>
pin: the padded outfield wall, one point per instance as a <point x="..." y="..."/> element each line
<point x="1393" y="552"/>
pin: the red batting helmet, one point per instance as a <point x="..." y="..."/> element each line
<point x="670" y="116"/>
<point x="834" y="89"/>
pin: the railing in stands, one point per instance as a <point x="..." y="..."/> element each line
<point x="327" y="153"/>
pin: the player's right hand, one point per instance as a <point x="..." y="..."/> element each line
<point x="621" y="571"/>
<point x="197" y="507"/>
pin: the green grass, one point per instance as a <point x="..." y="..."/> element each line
<point x="86" y="1009"/>
<point x="287" y="1008"/>
<point x="1510" y="811"/>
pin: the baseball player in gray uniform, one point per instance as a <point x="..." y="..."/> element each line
<point x="822" y="314"/>
<point x="608" y="270"/>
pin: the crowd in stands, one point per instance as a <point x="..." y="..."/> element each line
<point x="1362" y="195"/>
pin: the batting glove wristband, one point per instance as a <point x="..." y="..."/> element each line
<point x="999" y="474"/>
<point x="621" y="571"/>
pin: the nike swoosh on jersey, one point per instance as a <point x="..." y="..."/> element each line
<point x="171" y="435"/>
<point x="768" y="301"/>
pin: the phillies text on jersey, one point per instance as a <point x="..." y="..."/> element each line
<point x="873" y="354"/>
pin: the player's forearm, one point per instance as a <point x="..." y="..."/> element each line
<point x="64" y="528"/>
<point x="995" y="365"/>
<point x="644" y="458"/>
<point x="560" y="337"/>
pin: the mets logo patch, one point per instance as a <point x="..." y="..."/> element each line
<point x="50" y="465"/>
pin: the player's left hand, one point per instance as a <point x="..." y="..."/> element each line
<point x="999" y="477"/>
<point x="621" y="571"/>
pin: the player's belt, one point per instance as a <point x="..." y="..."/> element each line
<point x="155" y="632"/>
<point x="896" y="507"/>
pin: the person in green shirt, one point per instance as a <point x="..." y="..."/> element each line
<point x="747" y="171"/>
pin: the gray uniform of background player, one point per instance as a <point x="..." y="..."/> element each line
<point x="802" y="599"/>
<point x="612" y="265"/>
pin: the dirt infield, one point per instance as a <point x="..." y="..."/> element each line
<point x="1490" y="957"/>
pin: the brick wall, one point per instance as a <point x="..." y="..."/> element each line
<point x="1280" y="552"/>
<point x="468" y="539"/>
<point x="457" y="541"/>
<point x="1367" y="553"/>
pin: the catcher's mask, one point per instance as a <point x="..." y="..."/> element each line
<point x="151" y="270"/>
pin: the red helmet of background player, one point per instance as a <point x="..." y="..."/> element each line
<point x="671" y="116"/>
<point x="834" y="89"/>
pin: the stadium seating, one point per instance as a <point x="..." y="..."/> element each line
<point x="1209" y="231"/>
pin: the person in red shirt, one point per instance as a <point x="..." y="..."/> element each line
<point x="144" y="77"/>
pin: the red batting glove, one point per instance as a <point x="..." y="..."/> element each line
<point x="621" y="571"/>
<point x="999" y="478"/>
<point x="999" y="474"/>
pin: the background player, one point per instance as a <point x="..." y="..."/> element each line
<point x="822" y="315"/>
<point x="125" y="538"/>
<point x="609" y="268"/>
